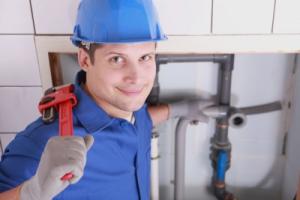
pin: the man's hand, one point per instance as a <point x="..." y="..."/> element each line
<point x="190" y="109"/>
<point x="61" y="155"/>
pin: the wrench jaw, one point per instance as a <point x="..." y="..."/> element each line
<point x="48" y="114"/>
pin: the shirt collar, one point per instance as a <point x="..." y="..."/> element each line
<point x="90" y="115"/>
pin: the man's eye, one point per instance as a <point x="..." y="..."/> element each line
<point x="117" y="60"/>
<point x="146" y="58"/>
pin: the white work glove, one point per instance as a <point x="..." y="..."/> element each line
<point x="61" y="156"/>
<point x="190" y="109"/>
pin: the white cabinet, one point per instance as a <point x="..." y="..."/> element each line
<point x="19" y="107"/>
<point x="188" y="17"/>
<point x="287" y="16"/>
<point x="242" y="16"/>
<point x="18" y="62"/>
<point x="15" y="17"/>
<point x="55" y="16"/>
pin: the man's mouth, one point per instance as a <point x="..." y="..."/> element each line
<point x="130" y="92"/>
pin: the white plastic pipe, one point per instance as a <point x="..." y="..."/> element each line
<point x="154" y="167"/>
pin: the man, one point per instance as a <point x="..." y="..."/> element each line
<point x="109" y="156"/>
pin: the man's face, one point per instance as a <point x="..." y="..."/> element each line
<point x="121" y="77"/>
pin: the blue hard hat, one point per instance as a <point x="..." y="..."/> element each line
<point x="116" y="21"/>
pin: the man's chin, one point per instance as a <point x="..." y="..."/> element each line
<point x="133" y="107"/>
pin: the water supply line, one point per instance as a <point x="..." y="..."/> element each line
<point x="154" y="193"/>
<point x="221" y="147"/>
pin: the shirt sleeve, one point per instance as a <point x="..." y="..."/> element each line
<point x="19" y="162"/>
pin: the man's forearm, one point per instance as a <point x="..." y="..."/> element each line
<point x="13" y="194"/>
<point x="159" y="113"/>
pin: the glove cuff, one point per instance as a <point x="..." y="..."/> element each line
<point x="30" y="190"/>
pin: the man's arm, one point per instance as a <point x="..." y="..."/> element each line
<point x="13" y="194"/>
<point x="191" y="109"/>
<point x="159" y="113"/>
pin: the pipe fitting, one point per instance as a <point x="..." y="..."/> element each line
<point x="222" y="194"/>
<point x="216" y="111"/>
<point x="237" y="119"/>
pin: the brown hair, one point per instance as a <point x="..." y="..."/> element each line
<point x="90" y="50"/>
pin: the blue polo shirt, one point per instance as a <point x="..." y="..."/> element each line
<point x="118" y="164"/>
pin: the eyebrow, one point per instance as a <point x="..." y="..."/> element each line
<point x="150" y="53"/>
<point x="146" y="54"/>
<point x="113" y="52"/>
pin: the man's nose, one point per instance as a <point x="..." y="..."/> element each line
<point x="133" y="73"/>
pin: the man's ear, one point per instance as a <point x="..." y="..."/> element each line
<point x="83" y="59"/>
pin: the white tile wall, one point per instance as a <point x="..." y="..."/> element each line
<point x="287" y="16"/>
<point x="54" y="16"/>
<point x="178" y="17"/>
<point x="187" y="17"/>
<point x="18" y="62"/>
<point x="15" y="17"/>
<point x="242" y="17"/>
<point x="18" y="107"/>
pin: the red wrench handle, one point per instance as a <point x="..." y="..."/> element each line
<point x="65" y="119"/>
<point x="66" y="126"/>
<point x="67" y="176"/>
